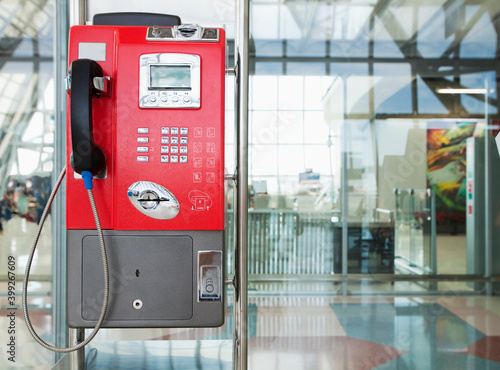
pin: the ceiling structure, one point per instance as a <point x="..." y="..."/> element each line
<point x="25" y="71"/>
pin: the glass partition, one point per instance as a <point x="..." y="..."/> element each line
<point x="360" y="114"/>
<point x="415" y="226"/>
<point x="27" y="144"/>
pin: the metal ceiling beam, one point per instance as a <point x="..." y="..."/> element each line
<point x="16" y="28"/>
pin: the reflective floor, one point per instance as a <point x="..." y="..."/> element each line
<point x="316" y="333"/>
<point x="286" y="331"/>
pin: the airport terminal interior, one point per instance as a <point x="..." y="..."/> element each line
<point x="373" y="177"/>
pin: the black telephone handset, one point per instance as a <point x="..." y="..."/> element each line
<point x="87" y="155"/>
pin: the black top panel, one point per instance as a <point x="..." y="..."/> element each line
<point x="136" y="19"/>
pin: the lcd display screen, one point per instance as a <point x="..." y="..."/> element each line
<point x="170" y="77"/>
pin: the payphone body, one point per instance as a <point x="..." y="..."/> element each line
<point x="160" y="197"/>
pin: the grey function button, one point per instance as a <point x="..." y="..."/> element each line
<point x="142" y="149"/>
<point x="143" y="130"/>
<point x="142" y="158"/>
<point x="142" y="140"/>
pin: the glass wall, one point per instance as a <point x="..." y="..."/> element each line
<point x="27" y="141"/>
<point x="363" y="115"/>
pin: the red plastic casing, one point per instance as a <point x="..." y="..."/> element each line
<point x="116" y="120"/>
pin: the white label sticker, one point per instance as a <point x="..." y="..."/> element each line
<point x="92" y="50"/>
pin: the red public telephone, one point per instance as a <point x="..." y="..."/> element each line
<point x="146" y="117"/>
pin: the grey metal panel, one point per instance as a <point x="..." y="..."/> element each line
<point x="475" y="208"/>
<point x="166" y="264"/>
<point x="477" y="199"/>
<point x="156" y="271"/>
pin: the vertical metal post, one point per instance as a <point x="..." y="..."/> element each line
<point x="78" y="12"/>
<point x="397" y="236"/>
<point x="434" y="264"/>
<point x="413" y="252"/>
<point x="240" y="357"/>
<point x="345" y="192"/>
<point x="488" y="245"/>
<point x="77" y="358"/>
<point x="58" y="214"/>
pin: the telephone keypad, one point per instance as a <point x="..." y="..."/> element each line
<point x="173" y="149"/>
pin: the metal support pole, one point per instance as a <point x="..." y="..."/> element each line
<point x="345" y="192"/>
<point x="77" y="358"/>
<point x="413" y="252"/>
<point x="240" y="353"/>
<point x="78" y="12"/>
<point x="434" y="264"/>
<point x="58" y="207"/>
<point x="488" y="243"/>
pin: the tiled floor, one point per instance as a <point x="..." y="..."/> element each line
<point x="332" y="333"/>
<point x="285" y="331"/>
